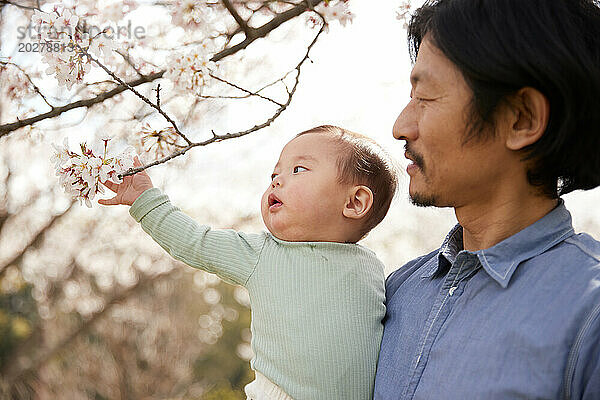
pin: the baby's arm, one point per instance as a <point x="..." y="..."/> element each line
<point x="229" y="254"/>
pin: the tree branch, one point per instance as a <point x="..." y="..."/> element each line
<point x="4" y="2"/>
<point x="138" y="94"/>
<point x="265" y="29"/>
<point x="8" y="128"/>
<point x="37" y="90"/>
<point x="243" y="24"/>
<point x="248" y="92"/>
<point x="260" y="32"/>
<point x="218" y="138"/>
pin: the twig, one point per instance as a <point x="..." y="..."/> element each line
<point x="30" y="81"/>
<point x="245" y="90"/>
<point x="128" y="60"/>
<point x="158" y="95"/>
<point x="218" y="138"/>
<point x="138" y="94"/>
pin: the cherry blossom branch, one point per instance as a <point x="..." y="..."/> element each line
<point x="265" y="29"/>
<point x="248" y="92"/>
<point x="8" y="128"/>
<point x="37" y="90"/>
<point x="129" y="61"/>
<point x="138" y="94"/>
<point x="4" y="2"/>
<point x="260" y="32"/>
<point x="240" y="21"/>
<point x="219" y="138"/>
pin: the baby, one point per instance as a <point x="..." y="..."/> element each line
<point x="317" y="297"/>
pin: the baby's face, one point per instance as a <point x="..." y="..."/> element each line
<point x="304" y="201"/>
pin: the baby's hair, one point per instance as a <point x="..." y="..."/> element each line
<point x="362" y="161"/>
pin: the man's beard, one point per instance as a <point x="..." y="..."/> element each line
<point x="424" y="200"/>
<point x="418" y="199"/>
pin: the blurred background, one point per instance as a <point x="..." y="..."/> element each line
<point x="90" y="306"/>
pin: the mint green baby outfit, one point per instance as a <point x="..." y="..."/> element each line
<point x="317" y="307"/>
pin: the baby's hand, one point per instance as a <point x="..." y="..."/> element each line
<point x="130" y="189"/>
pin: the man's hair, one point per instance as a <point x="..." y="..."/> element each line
<point x="501" y="46"/>
<point x="361" y="161"/>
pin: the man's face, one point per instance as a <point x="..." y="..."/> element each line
<point x="304" y="201"/>
<point x="445" y="171"/>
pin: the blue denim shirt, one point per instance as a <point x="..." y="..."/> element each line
<point x="520" y="320"/>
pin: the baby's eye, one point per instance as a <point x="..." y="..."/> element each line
<point x="273" y="176"/>
<point x="297" y="169"/>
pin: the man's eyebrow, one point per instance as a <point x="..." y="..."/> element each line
<point x="420" y="76"/>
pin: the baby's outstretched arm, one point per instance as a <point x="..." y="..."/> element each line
<point x="231" y="255"/>
<point x="130" y="189"/>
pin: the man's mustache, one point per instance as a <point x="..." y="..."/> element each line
<point x="416" y="158"/>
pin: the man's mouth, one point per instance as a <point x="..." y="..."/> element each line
<point x="273" y="201"/>
<point x="416" y="159"/>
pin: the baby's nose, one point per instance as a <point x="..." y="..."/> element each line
<point x="276" y="181"/>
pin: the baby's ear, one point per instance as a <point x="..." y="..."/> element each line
<point x="359" y="202"/>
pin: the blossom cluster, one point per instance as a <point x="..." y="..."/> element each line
<point x="190" y="72"/>
<point x="333" y="10"/>
<point x="81" y="174"/>
<point x="14" y="84"/>
<point x="188" y="13"/>
<point x="162" y="142"/>
<point x="403" y="13"/>
<point x="73" y="61"/>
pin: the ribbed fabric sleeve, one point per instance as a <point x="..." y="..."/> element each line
<point x="317" y="307"/>
<point x="229" y="254"/>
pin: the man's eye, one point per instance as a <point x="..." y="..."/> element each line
<point x="297" y="169"/>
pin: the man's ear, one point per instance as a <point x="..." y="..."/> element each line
<point x="359" y="202"/>
<point x="530" y="111"/>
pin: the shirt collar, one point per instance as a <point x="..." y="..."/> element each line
<point x="501" y="260"/>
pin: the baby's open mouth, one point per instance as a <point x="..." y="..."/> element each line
<point x="274" y="201"/>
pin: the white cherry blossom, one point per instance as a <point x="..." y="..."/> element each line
<point x="403" y="13"/>
<point x="67" y="22"/>
<point x="101" y="44"/>
<point x="190" y="72"/>
<point x="335" y="11"/>
<point x="72" y="62"/>
<point x="81" y="174"/>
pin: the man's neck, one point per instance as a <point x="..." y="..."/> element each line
<point x="487" y="224"/>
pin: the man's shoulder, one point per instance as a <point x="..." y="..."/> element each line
<point x="587" y="247"/>
<point x="579" y="252"/>
<point x="396" y="278"/>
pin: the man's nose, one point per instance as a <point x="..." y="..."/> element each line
<point x="405" y="127"/>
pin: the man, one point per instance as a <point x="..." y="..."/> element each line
<point x="504" y="119"/>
